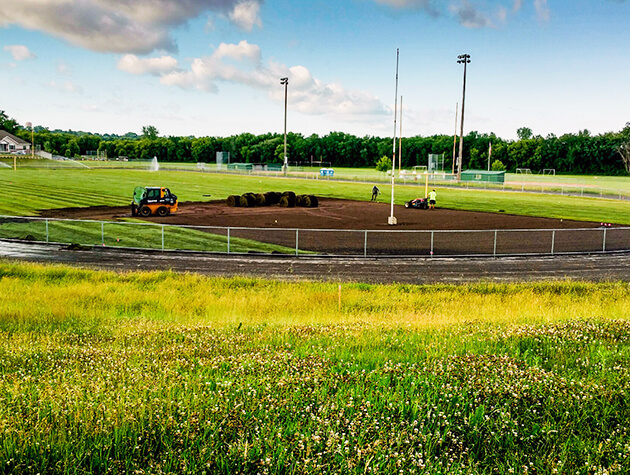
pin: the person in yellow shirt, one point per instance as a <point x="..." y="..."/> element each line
<point x="432" y="199"/>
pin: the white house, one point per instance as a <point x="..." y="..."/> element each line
<point x="11" y="143"/>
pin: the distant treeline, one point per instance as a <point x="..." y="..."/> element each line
<point x="580" y="153"/>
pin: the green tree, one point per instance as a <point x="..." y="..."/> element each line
<point x="497" y="166"/>
<point x="150" y="132"/>
<point x="384" y="164"/>
<point x="524" y="133"/>
<point x="8" y="124"/>
<point x="72" y="149"/>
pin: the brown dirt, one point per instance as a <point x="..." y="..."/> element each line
<point x="331" y="214"/>
<point x="350" y="217"/>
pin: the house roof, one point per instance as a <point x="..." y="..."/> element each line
<point x="7" y="137"/>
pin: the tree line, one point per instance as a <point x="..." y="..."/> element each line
<point x="581" y="153"/>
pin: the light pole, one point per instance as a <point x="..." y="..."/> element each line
<point x="30" y="125"/>
<point x="285" y="83"/>
<point x="391" y="220"/>
<point x="465" y="59"/>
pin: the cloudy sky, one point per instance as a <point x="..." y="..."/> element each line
<point x="213" y="67"/>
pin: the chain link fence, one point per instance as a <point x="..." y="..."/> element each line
<point x="360" y="243"/>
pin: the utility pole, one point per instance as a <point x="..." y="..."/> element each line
<point x="285" y="83"/>
<point x="392" y="219"/>
<point x="455" y="138"/>
<point x="462" y="59"/>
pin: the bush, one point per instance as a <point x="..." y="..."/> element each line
<point x="384" y="164"/>
<point x="497" y="166"/>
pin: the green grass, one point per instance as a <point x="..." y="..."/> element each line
<point x="27" y="191"/>
<point x="164" y="373"/>
<point x="132" y="234"/>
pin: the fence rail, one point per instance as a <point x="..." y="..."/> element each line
<point x="300" y="242"/>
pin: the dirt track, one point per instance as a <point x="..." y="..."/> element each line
<point x="595" y="268"/>
<point x="350" y="219"/>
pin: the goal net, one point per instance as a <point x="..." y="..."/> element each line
<point x="549" y="171"/>
<point x="436" y="162"/>
<point x="523" y="171"/>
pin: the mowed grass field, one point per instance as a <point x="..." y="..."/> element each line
<point x="27" y="191"/>
<point x="163" y="373"/>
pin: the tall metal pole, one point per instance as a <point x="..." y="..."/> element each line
<point x="400" y="140"/>
<point x="489" y="154"/>
<point x="285" y="82"/>
<point x="455" y="137"/>
<point x="465" y="59"/>
<point x="392" y="220"/>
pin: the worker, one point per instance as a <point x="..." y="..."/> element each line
<point x="432" y="198"/>
<point x="375" y="192"/>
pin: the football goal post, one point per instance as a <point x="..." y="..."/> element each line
<point x="549" y="171"/>
<point x="523" y="171"/>
<point x="419" y="169"/>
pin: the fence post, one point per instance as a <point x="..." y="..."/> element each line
<point x="162" y="237"/>
<point x="604" y="239"/>
<point x="494" y="252"/>
<point x="228" y="240"/>
<point x="365" y="245"/>
<point x="553" y="240"/>
<point x="297" y="241"/>
<point x="46" y="230"/>
<point x="432" y="243"/>
<point x="102" y="233"/>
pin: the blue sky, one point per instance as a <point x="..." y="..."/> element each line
<point x="213" y="67"/>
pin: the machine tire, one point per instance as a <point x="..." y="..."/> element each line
<point x="144" y="211"/>
<point x="162" y="211"/>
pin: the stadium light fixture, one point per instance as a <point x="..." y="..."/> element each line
<point x="462" y="59"/>
<point x="285" y="83"/>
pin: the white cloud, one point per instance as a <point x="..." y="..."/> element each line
<point x="406" y="3"/>
<point x="242" y="64"/>
<point x="246" y="15"/>
<point x="67" y="86"/>
<point x="64" y="69"/>
<point x="470" y="16"/>
<point x="20" y="52"/>
<point x="472" y="13"/>
<point x="121" y="26"/>
<point x="155" y="66"/>
<point x="542" y="10"/>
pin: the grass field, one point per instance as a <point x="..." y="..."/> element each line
<point x="24" y="192"/>
<point x="162" y="373"/>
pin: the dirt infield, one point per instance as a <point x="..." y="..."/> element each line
<point x="331" y="214"/>
<point x="344" y="227"/>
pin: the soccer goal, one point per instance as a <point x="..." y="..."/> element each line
<point x="523" y="171"/>
<point x="436" y="162"/>
<point x="549" y="171"/>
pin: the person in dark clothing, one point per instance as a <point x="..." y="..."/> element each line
<point x="375" y="193"/>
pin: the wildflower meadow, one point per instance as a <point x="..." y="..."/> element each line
<point x="159" y="373"/>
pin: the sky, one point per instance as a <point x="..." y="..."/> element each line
<point x="213" y="67"/>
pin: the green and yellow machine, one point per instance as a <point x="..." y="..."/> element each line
<point x="153" y="200"/>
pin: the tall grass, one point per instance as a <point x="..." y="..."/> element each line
<point x="165" y="373"/>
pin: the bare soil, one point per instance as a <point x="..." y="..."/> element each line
<point x="487" y="233"/>
<point x="331" y="214"/>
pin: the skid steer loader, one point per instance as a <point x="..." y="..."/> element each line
<point x="149" y="201"/>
